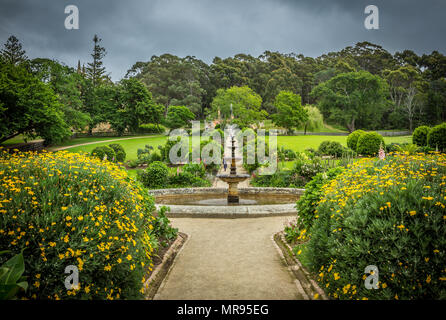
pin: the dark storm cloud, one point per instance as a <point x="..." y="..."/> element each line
<point x="134" y="30"/>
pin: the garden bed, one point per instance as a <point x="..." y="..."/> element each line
<point x="162" y="264"/>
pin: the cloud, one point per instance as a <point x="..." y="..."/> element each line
<point x="134" y="30"/>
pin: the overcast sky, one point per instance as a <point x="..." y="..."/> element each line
<point x="134" y="30"/>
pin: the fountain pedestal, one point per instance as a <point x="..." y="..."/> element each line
<point x="233" y="179"/>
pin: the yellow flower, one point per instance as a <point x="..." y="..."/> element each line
<point x="316" y="295"/>
<point x="412" y="213"/>
<point x="428" y="280"/>
<point x="336" y="276"/>
<point x="129" y="257"/>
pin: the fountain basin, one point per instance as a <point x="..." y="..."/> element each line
<point x="211" y="202"/>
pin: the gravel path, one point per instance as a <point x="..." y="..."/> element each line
<point x="94" y="142"/>
<point x="229" y="259"/>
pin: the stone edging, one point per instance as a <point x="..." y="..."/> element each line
<point x="239" y="211"/>
<point x="306" y="286"/>
<point x="249" y="190"/>
<point x="161" y="271"/>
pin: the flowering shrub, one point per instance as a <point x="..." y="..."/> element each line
<point x="69" y="209"/>
<point x="389" y="213"/>
<point x="307" y="204"/>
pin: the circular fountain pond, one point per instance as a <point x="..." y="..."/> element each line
<point x="212" y="202"/>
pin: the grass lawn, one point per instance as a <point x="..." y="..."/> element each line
<point x="300" y="143"/>
<point x="296" y="143"/>
<point x="131" y="146"/>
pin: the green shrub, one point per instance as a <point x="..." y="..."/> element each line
<point x="155" y="176"/>
<point x="389" y="213"/>
<point x="419" y="136"/>
<point x="331" y="148"/>
<point x="152" y="128"/>
<point x="71" y="209"/>
<point x="187" y="179"/>
<point x="352" y="139"/>
<point x="119" y="152"/>
<point x="103" y="152"/>
<point x="437" y="137"/>
<point x="369" y="143"/>
<point x="392" y="147"/>
<point x="11" y="276"/>
<point x="308" y="202"/>
<point x="196" y="169"/>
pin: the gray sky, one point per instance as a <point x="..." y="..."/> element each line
<point x="134" y="30"/>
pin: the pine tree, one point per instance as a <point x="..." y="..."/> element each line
<point x="13" y="53"/>
<point x="95" y="70"/>
<point x="79" y="71"/>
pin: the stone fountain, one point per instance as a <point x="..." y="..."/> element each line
<point x="233" y="179"/>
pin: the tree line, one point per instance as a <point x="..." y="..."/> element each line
<point x="363" y="86"/>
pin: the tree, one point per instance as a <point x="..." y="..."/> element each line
<point x="290" y="113"/>
<point x="175" y="81"/>
<point x="406" y="88"/>
<point x="353" y="99"/>
<point x="28" y="106"/>
<point x="245" y="105"/>
<point x="68" y="86"/>
<point x="133" y="106"/>
<point x="13" y="53"/>
<point x="178" y="117"/>
<point x="95" y="70"/>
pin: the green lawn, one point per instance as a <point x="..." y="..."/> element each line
<point x="296" y="143"/>
<point x="300" y="143"/>
<point x="131" y="146"/>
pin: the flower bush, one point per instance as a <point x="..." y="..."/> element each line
<point x="69" y="209"/>
<point x="389" y="213"/>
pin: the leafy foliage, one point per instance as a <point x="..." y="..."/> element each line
<point x="352" y="139"/>
<point x="290" y="113"/>
<point x="369" y="143"/>
<point x="419" y="136"/>
<point x="437" y="137"/>
<point x="331" y="148"/>
<point x="104" y="152"/>
<point x="119" y="151"/>
<point x="156" y="176"/>
<point x="178" y="116"/>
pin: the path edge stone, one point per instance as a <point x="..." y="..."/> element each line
<point x="303" y="279"/>
<point x="161" y="271"/>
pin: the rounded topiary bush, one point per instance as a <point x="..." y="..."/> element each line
<point x="70" y="209"/>
<point x="104" y="152"/>
<point x="352" y="139"/>
<point x="119" y="152"/>
<point x="369" y="143"/>
<point x="331" y="148"/>
<point x="388" y="213"/>
<point x="419" y="136"/>
<point x="156" y="176"/>
<point x="437" y="137"/>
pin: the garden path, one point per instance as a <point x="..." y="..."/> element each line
<point x="229" y="259"/>
<point x="94" y="142"/>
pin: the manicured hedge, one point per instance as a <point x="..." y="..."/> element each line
<point x="104" y="152"/>
<point x="119" y="152"/>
